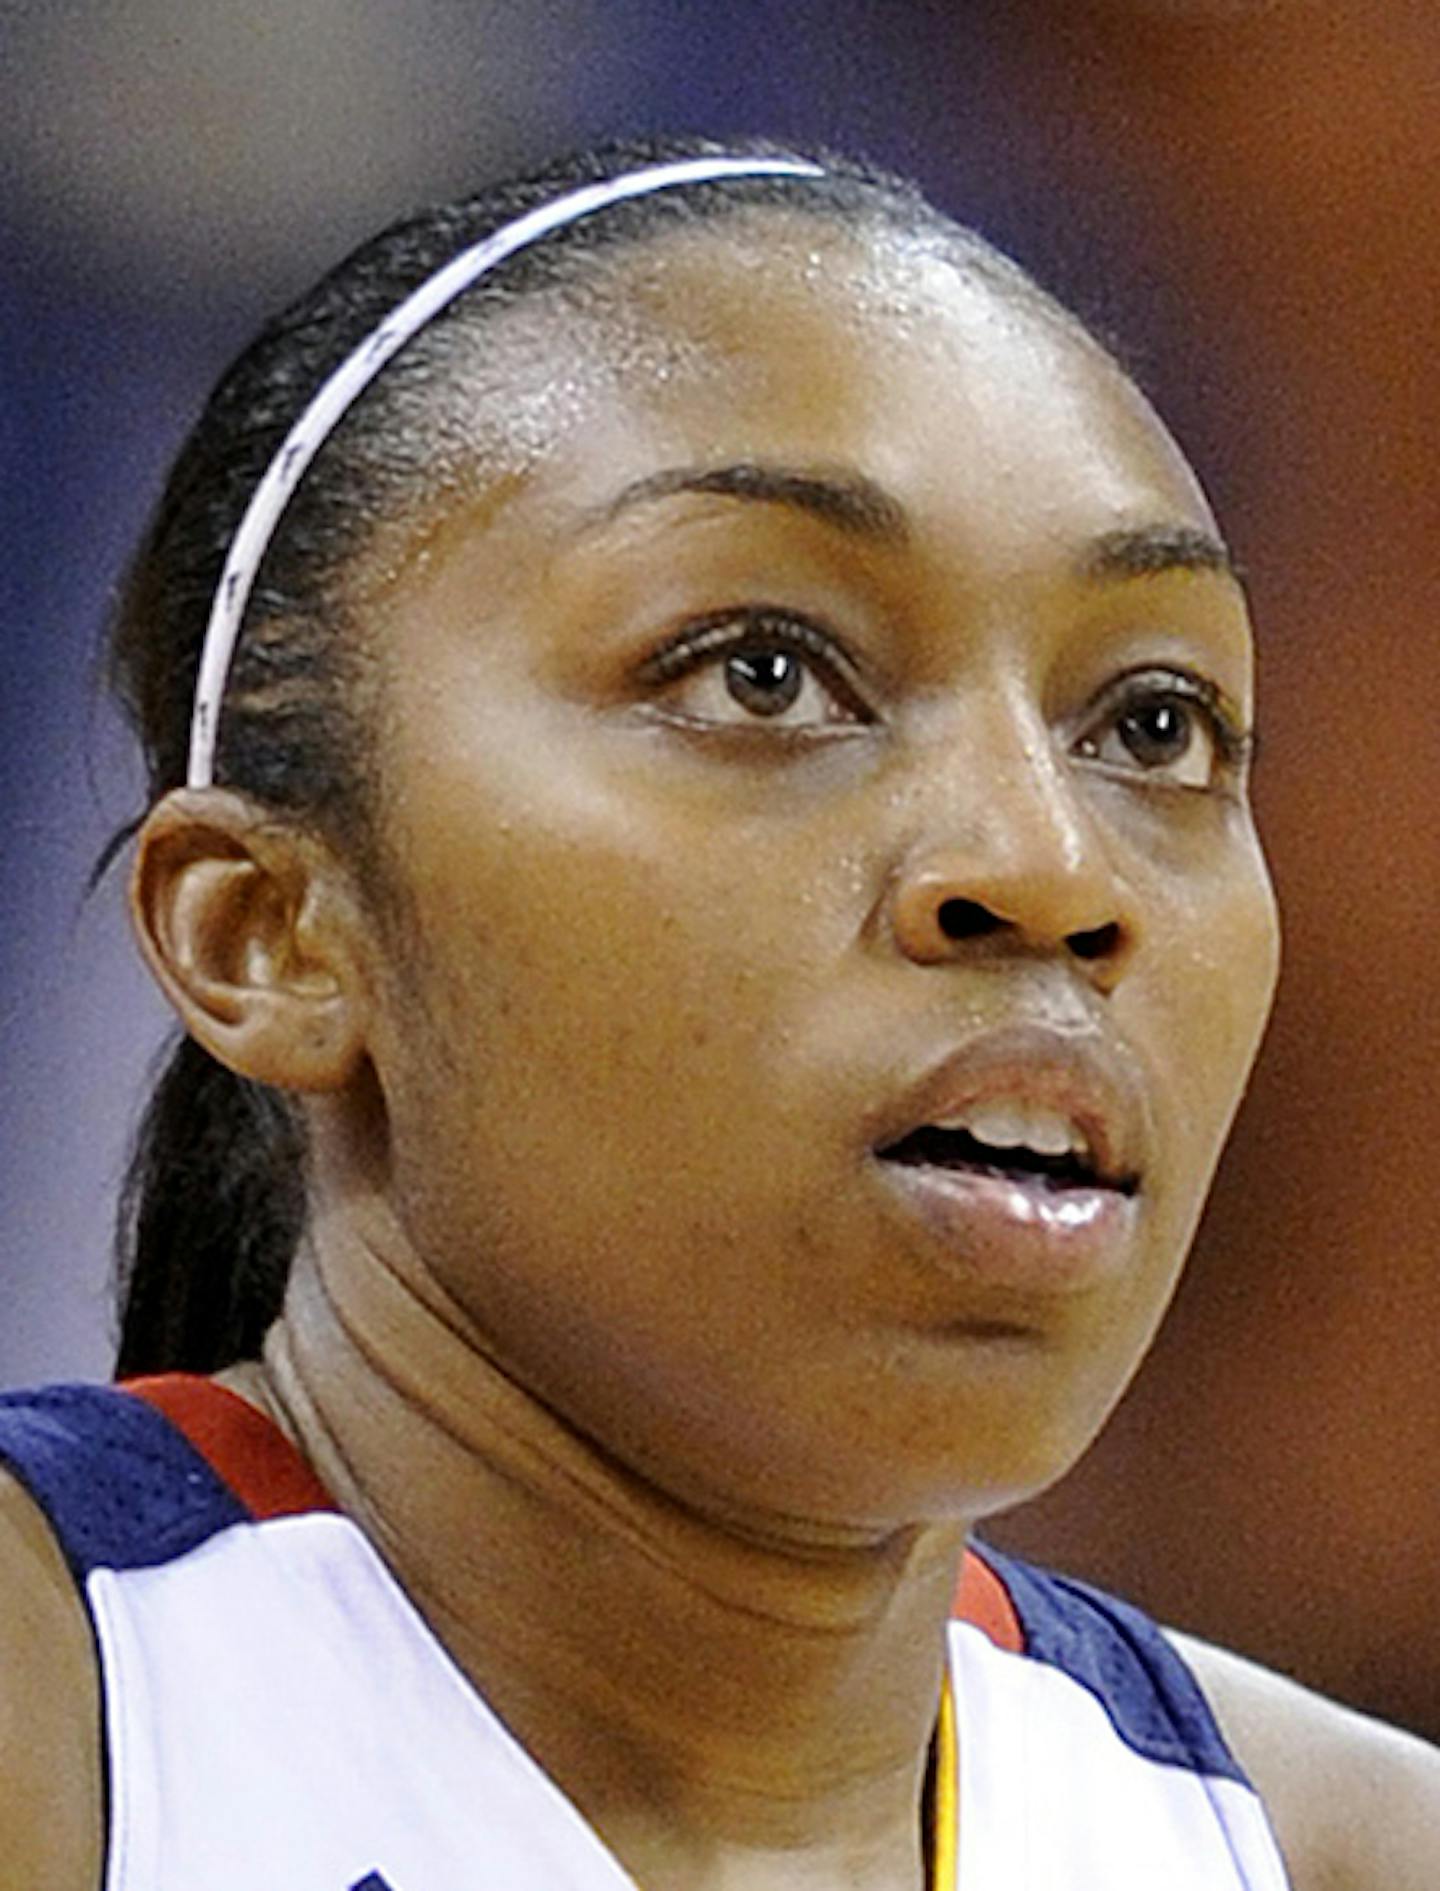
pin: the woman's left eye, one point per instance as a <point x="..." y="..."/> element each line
<point x="1169" y="728"/>
<point x="756" y="668"/>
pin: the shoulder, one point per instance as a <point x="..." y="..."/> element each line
<point x="51" y="1788"/>
<point x="1355" y="1803"/>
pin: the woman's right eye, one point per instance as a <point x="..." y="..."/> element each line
<point x="756" y="668"/>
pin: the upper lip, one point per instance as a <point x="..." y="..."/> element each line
<point x="1083" y="1075"/>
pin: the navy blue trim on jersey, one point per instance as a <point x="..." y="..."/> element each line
<point x="1122" y="1658"/>
<point x="122" y="1488"/>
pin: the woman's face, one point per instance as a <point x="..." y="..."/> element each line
<point x="836" y="938"/>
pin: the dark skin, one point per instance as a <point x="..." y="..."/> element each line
<point x="602" y="1248"/>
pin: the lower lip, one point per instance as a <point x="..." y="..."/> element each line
<point x="1022" y="1236"/>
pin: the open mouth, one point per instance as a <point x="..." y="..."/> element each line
<point x="1019" y="1164"/>
<point x="1055" y="1157"/>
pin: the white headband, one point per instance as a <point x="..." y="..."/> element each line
<point x="360" y="368"/>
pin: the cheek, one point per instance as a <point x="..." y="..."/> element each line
<point x="1219" y="960"/>
<point x="606" y="976"/>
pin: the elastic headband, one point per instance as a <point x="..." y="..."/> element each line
<point x="350" y="380"/>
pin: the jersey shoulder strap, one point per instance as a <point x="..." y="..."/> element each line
<point x="137" y="1475"/>
<point x="1118" y="1654"/>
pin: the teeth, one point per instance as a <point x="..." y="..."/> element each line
<point x="1015" y="1125"/>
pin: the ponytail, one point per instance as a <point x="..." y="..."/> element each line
<point x="211" y="1210"/>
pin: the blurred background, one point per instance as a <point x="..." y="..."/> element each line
<point x="1248" y="196"/>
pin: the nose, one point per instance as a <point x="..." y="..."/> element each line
<point x="1029" y="874"/>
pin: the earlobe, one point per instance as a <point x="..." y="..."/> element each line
<point x="251" y="930"/>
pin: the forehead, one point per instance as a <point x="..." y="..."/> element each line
<point x="782" y="337"/>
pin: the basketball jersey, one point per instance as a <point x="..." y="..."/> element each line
<point x="277" y="1713"/>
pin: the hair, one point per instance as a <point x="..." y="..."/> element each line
<point x="213" y="1204"/>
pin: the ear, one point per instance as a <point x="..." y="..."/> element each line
<point x="252" y="929"/>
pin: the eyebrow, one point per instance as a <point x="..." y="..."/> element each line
<point x="1146" y="551"/>
<point x="864" y="509"/>
<point x="852" y="502"/>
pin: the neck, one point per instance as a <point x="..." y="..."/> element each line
<point x="724" y="1704"/>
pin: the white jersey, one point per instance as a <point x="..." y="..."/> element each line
<point x="278" y="1714"/>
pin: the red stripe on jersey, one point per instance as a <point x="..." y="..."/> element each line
<point x="244" y="1448"/>
<point x="983" y="1600"/>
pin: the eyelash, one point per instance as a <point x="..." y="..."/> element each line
<point x="761" y="627"/>
<point x="772" y="627"/>
<point x="1147" y="683"/>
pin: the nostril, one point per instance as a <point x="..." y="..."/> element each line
<point x="1100" y="942"/>
<point x="966" y="919"/>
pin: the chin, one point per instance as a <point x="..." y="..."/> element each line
<point x="980" y="1476"/>
<point x="1002" y="1456"/>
